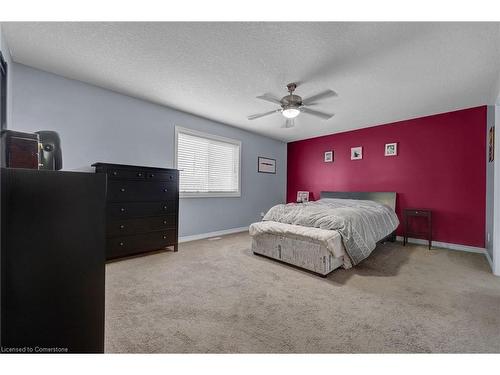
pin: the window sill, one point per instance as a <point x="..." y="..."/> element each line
<point x="210" y="195"/>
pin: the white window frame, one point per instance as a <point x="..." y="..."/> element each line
<point x="214" y="194"/>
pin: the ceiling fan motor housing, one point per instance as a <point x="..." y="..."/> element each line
<point x="291" y="101"/>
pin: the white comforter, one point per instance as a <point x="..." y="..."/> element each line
<point x="360" y="223"/>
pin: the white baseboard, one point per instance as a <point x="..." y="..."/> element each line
<point x="446" y="245"/>
<point x="202" y="236"/>
<point x="490" y="261"/>
<point x="453" y="246"/>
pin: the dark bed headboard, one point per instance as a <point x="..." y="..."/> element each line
<point x="387" y="198"/>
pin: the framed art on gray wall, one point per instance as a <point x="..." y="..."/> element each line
<point x="266" y="165"/>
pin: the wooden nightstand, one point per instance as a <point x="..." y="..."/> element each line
<point x="417" y="212"/>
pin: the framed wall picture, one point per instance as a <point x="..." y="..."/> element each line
<point x="328" y="156"/>
<point x="266" y="165"/>
<point x="302" y="196"/>
<point x="491" y="144"/>
<point x="357" y="153"/>
<point x="391" y="149"/>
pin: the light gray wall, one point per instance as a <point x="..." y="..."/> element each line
<point x="6" y="55"/>
<point x="490" y="173"/>
<point x="100" y="125"/>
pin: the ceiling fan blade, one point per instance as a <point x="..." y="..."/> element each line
<point x="321" y="95"/>
<point x="259" y="115"/>
<point x="269" y="98"/>
<point x="289" y="123"/>
<point x="324" y="116"/>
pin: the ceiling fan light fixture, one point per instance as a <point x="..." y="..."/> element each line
<point x="292" y="105"/>
<point x="290" y="112"/>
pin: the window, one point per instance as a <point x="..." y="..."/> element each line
<point x="209" y="165"/>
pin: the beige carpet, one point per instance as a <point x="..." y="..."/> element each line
<point x="217" y="297"/>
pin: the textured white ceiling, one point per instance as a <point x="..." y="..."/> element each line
<point x="383" y="72"/>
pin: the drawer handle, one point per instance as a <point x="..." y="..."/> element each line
<point x="164" y="221"/>
<point x="122" y="226"/>
<point x="115" y="173"/>
<point x="165" y="190"/>
<point x="164" y="237"/>
<point x="122" y="243"/>
<point x="165" y="207"/>
<point x="139" y="174"/>
<point x="122" y="209"/>
<point x="122" y="190"/>
<point x="170" y="177"/>
<point x="151" y="175"/>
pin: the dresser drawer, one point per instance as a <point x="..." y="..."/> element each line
<point x="137" y="209"/>
<point x="141" y="191"/>
<point x="141" y="225"/>
<point x="126" y="174"/>
<point x="127" y="245"/>
<point x="162" y="176"/>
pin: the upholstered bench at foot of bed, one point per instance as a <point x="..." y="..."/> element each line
<point x="299" y="251"/>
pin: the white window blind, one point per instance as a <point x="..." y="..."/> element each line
<point x="209" y="165"/>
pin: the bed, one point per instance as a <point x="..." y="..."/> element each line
<point x="339" y="230"/>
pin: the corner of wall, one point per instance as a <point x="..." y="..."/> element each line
<point x="496" y="196"/>
<point x="490" y="172"/>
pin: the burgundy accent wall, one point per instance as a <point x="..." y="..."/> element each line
<point x="440" y="165"/>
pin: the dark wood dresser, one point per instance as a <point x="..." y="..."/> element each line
<point x="142" y="209"/>
<point x="52" y="261"/>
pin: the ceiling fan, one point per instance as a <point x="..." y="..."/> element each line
<point x="292" y="105"/>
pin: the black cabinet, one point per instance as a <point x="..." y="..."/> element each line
<point x="142" y="208"/>
<point x="52" y="261"/>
